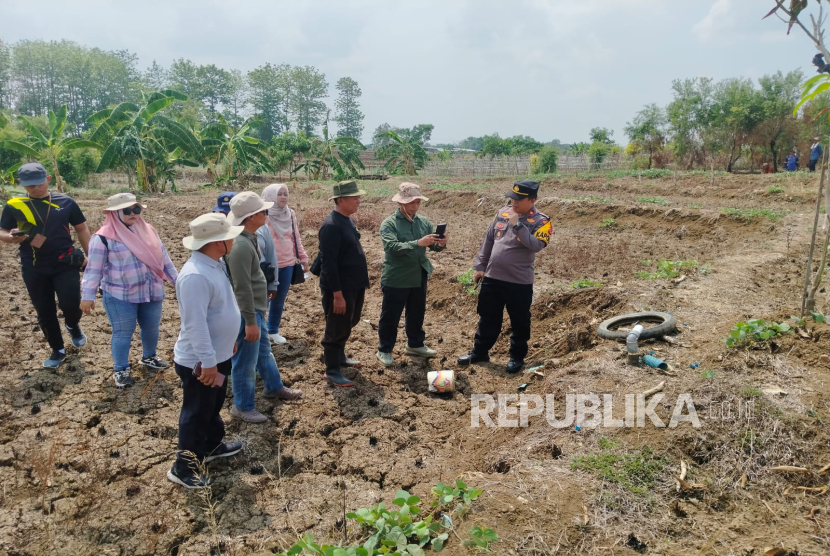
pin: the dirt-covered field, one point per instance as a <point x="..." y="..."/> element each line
<point x="83" y="464"/>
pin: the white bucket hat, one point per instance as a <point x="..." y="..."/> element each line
<point x="246" y="204"/>
<point x="208" y="228"/>
<point x="408" y="192"/>
<point x="121" y="201"/>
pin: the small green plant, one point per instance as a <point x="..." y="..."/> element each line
<point x="773" y="190"/>
<point x="798" y="320"/>
<point x="467" y="282"/>
<point x="708" y="374"/>
<point x="655" y="200"/>
<point x="751" y="392"/>
<point x="754" y="330"/>
<point x="586" y="283"/>
<point x="817" y="317"/>
<point x="608" y="443"/>
<point x="665" y="269"/>
<point x="695" y="206"/>
<point x="608" y="223"/>
<point x="480" y="538"/>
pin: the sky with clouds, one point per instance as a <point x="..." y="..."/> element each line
<point x="549" y="69"/>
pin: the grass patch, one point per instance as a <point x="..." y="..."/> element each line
<point x="655" y="200"/>
<point x="586" y="283"/>
<point x="751" y="392"/>
<point x="695" y="206"/>
<point x="608" y="223"/>
<point x="637" y="471"/>
<point x="750" y="214"/>
<point x="775" y="190"/>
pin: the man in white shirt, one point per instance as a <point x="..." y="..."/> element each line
<point x="202" y="354"/>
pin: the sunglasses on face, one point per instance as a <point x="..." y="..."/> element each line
<point x="131" y="210"/>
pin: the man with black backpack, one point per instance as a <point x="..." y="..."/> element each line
<point x="51" y="266"/>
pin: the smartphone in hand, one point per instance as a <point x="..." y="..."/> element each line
<point x="197" y="372"/>
<point x="440" y="230"/>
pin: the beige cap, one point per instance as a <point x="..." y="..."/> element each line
<point x="408" y="192"/>
<point x="208" y="228"/>
<point x="246" y="204"/>
<point x="122" y="201"/>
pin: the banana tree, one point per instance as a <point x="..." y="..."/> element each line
<point x="404" y="154"/>
<point x="7" y="177"/>
<point x="143" y="141"/>
<point x="232" y="153"/>
<point x="341" y="156"/>
<point x="52" y="145"/>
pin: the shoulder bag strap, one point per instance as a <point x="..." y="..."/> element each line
<point x="294" y="233"/>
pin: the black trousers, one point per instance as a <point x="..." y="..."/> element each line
<point x="339" y="327"/>
<point x="395" y="300"/>
<point x="201" y="428"/>
<point x="812" y="165"/>
<point x="494" y="296"/>
<point x="43" y="284"/>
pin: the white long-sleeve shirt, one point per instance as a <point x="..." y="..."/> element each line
<point x="209" y="314"/>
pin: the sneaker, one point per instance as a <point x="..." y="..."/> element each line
<point x="422" y="351"/>
<point x="154" y="362"/>
<point x="252" y="416"/>
<point x="78" y="336"/>
<point x="277" y="339"/>
<point x="284" y="393"/>
<point x="122" y="378"/>
<point x="224" y="450"/>
<point x="55" y="360"/>
<point x="337" y="379"/>
<point x="385" y="359"/>
<point x="189" y="479"/>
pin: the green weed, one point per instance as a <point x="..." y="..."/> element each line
<point x="751" y="392"/>
<point x="774" y="190"/>
<point x="480" y="538"/>
<point x="754" y="330"/>
<point x="467" y="282"/>
<point x="708" y="374"/>
<point x="749" y="214"/>
<point x="695" y="206"/>
<point x="655" y="200"/>
<point x="636" y="472"/>
<point x="608" y="223"/>
<point x="586" y="283"/>
<point x="665" y="269"/>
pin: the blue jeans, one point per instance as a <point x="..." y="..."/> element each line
<point x="278" y="303"/>
<point x="123" y="316"/>
<point x="250" y="358"/>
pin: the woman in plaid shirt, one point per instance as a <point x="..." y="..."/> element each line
<point x="129" y="262"/>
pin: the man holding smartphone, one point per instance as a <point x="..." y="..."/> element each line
<point x="504" y="265"/>
<point x="406" y="236"/>
<point x="51" y="266"/>
<point x="207" y="342"/>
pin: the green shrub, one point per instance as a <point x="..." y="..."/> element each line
<point x="467" y="282"/>
<point x="548" y="160"/>
<point x="78" y="166"/>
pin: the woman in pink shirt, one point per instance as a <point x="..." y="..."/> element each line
<point x="282" y="223"/>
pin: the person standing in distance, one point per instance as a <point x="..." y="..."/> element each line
<point x="50" y="264"/>
<point x="815" y="154"/>
<point x="344" y="277"/>
<point x="203" y="351"/>
<point x="504" y="264"/>
<point x="406" y="236"/>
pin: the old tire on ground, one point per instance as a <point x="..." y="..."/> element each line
<point x="617" y="328"/>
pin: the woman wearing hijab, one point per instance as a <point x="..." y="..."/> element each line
<point x="128" y="261"/>
<point x="282" y="224"/>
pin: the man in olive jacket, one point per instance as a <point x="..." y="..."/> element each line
<point x="406" y="235"/>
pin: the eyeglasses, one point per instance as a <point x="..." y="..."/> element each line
<point x="131" y="210"/>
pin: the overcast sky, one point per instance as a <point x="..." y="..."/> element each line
<point x="549" y="69"/>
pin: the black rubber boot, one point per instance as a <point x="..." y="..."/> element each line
<point x="333" y="374"/>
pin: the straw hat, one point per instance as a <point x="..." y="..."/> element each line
<point x="408" y="192"/>
<point x="210" y="227"/>
<point x="246" y="204"/>
<point x="121" y="201"/>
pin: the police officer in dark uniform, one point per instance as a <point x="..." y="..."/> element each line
<point x="505" y="264"/>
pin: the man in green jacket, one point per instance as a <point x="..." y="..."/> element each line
<point x="406" y="235"/>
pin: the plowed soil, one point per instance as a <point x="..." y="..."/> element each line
<point x="83" y="464"/>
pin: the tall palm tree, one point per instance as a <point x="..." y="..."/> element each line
<point x="52" y="145"/>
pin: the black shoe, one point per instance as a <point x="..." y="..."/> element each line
<point x="55" y="360"/>
<point x="224" y="450"/>
<point x="515" y="365"/>
<point x="337" y="379"/>
<point x="473" y="357"/>
<point x="189" y="479"/>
